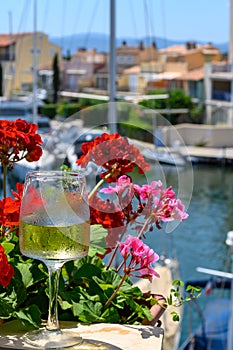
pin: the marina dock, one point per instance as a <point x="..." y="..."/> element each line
<point x="208" y="155"/>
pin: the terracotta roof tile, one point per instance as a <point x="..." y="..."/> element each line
<point x="133" y="70"/>
<point x="195" y="74"/>
<point x="183" y="50"/>
<point x="168" y="75"/>
<point x="7" y="39"/>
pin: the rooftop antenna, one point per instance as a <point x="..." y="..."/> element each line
<point x="11" y="56"/>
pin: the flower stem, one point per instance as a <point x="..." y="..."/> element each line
<point x="97" y="186"/>
<point x="115" y="292"/>
<point x="144" y="227"/>
<point x="116" y="247"/>
<point x="95" y="189"/>
<point x="112" y="256"/>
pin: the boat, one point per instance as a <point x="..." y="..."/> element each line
<point x="12" y="110"/>
<point x="164" y="157"/>
<point x="215" y="330"/>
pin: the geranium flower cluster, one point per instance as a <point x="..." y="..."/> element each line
<point x="141" y="257"/>
<point x="6" y="270"/>
<point x="155" y="203"/>
<point x="19" y="140"/>
<point x="141" y="207"/>
<point x="113" y="153"/>
<point x="144" y="207"/>
<point x="9" y="211"/>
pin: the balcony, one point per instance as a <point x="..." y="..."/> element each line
<point x="221" y="96"/>
<point x="7" y="57"/>
<point x="219" y="68"/>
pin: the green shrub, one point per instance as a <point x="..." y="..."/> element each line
<point x="88" y="102"/>
<point x="68" y="109"/>
<point x="49" y="110"/>
<point x="135" y="132"/>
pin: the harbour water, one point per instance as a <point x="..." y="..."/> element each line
<point x="199" y="240"/>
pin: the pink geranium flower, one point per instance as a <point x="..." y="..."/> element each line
<point x="141" y="257"/>
<point x="156" y="203"/>
<point x="122" y="184"/>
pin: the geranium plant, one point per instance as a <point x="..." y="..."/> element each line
<point x="92" y="289"/>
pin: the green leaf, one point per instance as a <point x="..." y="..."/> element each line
<point x="65" y="305"/>
<point x="93" y="250"/>
<point x="8" y="247"/>
<point x="178" y="283"/>
<point x="88" y="312"/>
<point x="77" y="308"/>
<point x="94" y="260"/>
<point x="31" y="273"/>
<point x="175" y="316"/>
<point x="5" y="309"/>
<point x="70" y="295"/>
<point x="98" y="236"/>
<point x="193" y="288"/>
<point x="25" y="270"/>
<point x="86" y="271"/>
<point x="145" y="312"/>
<point x="16" y="291"/>
<point x="110" y="315"/>
<point x="113" y="278"/>
<point x="29" y="316"/>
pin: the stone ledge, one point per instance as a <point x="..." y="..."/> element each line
<point x="101" y="336"/>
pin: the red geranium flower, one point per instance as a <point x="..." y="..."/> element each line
<point x="113" y="153"/>
<point x="105" y="213"/>
<point x="6" y="270"/>
<point x="18" y="140"/>
<point x="10" y="207"/>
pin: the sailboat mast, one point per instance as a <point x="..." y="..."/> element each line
<point x="34" y="116"/>
<point x="112" y="69"/>
<point x="11" y="56"/>
<point x="230" y="48"/>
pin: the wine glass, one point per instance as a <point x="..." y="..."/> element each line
<point x="54" y="228"/>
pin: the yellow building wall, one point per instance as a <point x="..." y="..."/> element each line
<point x="149" y="53"/>
<point x="24" y="57"/>
<point x="122" y="82"/>
<point x="176" y="67"/>
<point x="197" y="59"/>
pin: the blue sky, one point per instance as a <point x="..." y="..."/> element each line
<point x="203" y="20"/>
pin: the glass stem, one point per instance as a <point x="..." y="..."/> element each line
<point x="54" y="274"/>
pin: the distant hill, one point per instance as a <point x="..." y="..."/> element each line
<point x="100" y="42"/>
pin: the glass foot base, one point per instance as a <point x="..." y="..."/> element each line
<point x="43" y="338"/>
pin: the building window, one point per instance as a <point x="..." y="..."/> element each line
<point x="38" y="51"/>
<point x="129" y="59"/>
<point x="121" y="59"/>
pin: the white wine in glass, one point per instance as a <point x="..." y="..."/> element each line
<point x="54" y="228"/>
